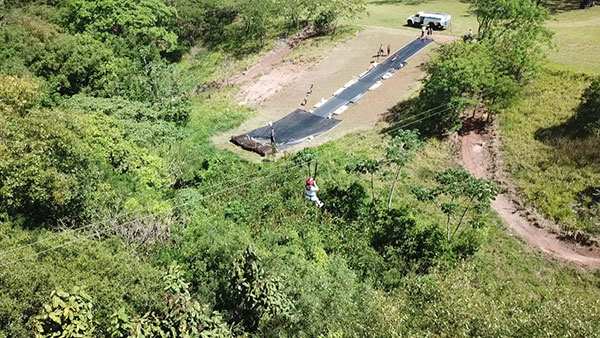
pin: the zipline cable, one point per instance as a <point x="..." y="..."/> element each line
<point x="106" y="220"/>
<point x="184" y="204"/>
<point x="147" y="216"/>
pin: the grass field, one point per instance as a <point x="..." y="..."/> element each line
<point x="552" y="169"/>
<point x="390" y="13"/>
<point x="577" y="36"/>
<point x="577" y="32"/>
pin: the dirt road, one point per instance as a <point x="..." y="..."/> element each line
<point x="475" y="157"/>
<point x="280" y="90"/>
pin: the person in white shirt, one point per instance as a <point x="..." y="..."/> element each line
<point x="311" y="191"/>
<point x="423" y="31"/>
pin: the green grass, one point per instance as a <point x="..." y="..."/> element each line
<point x="506" y="290"/>
<point x="390" y="13"/>
<point x="577" y="36"/>
<point x="551" y="169"/>
<point x="577" y="32"/>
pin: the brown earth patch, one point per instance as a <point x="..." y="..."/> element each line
<point x="481" y="154"/>
<point x="340" y="65"/>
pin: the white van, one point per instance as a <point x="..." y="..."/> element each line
<point x="435" y="20"/>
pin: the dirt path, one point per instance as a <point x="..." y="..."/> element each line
<point x="282" y="89"/>
<point x="475" y="156"/>
<point x="265" y="64"/>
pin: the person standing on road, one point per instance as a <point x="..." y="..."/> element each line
<point x="273" y="144"/>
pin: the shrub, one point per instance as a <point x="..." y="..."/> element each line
<point x="347" y="202"/>
<point x="406" y="246"/>
<point x="46" y="171"/>
<point x="251" y="297"/>
<point x="146" y="21"/>
<point x="67" y="315"/>
<point x="18" y="94"/>
<point x="183" y="316"/>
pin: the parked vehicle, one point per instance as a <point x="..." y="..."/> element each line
<point x="432" y="19"/>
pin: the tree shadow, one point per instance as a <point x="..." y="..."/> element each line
<point x="573" y="139"/>
<point x="559" y="6"/>
<point x="394" y="2"/>
<point x="412" y="114"/>
<point x="571" y="142"/>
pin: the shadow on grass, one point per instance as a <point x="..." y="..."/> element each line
<point x="412" y="114"/>
<point x="580" y="149"/>
<point x="572" y="141"/>
<point x="559" y="6"/>
<point x="395" y="2"/>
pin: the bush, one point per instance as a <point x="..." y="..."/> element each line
<point x="18" y="94"/>
<point x="67" y="315"/>
<point x="69" y="63"/>
<point x="324" y="22"/>
<point x="346" y="202"/>
<point x="251" y="297"/>
<point x="146" y="21"/>
<point x="46" y="172"/>
<point x="406" y="246"/>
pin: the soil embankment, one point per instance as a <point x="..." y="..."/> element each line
<point x="476" y="156"/>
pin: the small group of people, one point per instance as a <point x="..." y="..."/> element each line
<point x="426" y="30"/>
<point x="380" y="51"/>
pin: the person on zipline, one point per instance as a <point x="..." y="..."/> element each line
<point x="311" y="191"/>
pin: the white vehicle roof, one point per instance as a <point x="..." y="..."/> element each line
<point x="433" y="14"/>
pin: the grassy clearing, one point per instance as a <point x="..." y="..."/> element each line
<point x="389" y="13"/>
<point x="552" y="170"/>
<point x="577" y="32"/>
<point x="577" y="36"/>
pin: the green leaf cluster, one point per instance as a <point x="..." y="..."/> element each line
<point x="67" y="315"/>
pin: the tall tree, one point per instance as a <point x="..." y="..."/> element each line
<point x="400" y="152"/>
<point x="365" y="166"/>
<point x="461" y="197"/>
<point x="515" y="30"/>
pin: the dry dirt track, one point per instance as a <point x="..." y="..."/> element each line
<point x="280" y="90"/>
<point x="475" y="160"/>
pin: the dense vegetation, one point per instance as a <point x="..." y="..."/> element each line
<point x="126" y="222"/>
<point x="470" y="75"/>
<point x="490" y="67"/>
